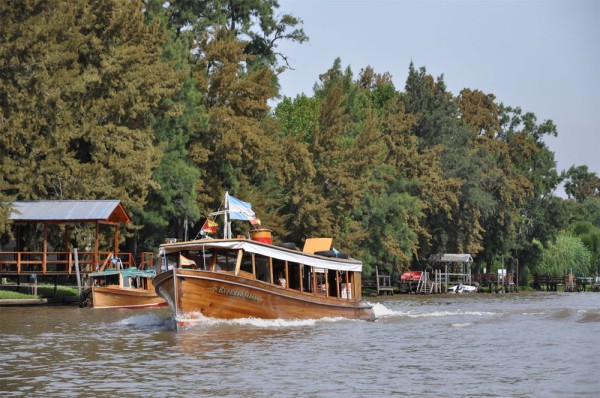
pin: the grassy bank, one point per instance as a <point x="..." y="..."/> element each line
<point x="10" y="291"/>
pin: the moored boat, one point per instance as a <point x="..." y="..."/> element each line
<point x="123" y="288"/>
<point x="251" y="277"/>
<point x="460" y="288"/>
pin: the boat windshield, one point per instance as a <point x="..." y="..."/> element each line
<point x="106" y="280"/>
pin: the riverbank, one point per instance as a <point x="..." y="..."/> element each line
<point x="12" y="295"/>
<point x="38" y="301"/>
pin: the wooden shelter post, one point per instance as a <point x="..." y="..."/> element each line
<point x="96" y="246"/>
<point x="45" y="247"/>
<point x="66" y="237"/>
<point x="116" y="240"/>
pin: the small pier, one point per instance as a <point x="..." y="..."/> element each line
<point x="384" y="284"/>
<point x="569" y="282"/>
<point x="495" y="282"/>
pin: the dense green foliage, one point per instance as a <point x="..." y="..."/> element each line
<point x="566" y="254"/>
<point x="166" y="105"/>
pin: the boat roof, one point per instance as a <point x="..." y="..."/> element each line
<point x="264" y="249"/>
<point x="133" y="271"/>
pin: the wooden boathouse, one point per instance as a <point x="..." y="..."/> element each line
<point x="43" y="258"/>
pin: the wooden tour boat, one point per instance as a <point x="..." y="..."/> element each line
<point x="252" y="278"/>
<point x="122" y="288"/>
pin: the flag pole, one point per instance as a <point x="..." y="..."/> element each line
<point x="226" y="223"/>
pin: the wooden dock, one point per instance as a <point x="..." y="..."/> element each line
<point x="384" y="284"/>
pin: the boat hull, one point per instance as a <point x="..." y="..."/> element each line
<point x="115" y="297"/>
<point x="227" y="296"/>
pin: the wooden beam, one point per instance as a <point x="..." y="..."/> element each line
<point x="238" y="262"/>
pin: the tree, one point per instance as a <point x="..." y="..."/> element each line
<point x="589" y="235"/>
<point x="501" y="187"/>
<point x="346" y="151"/>
<point x="298" y="117"/>
<point x="462" y="164"/>
<point x="415" y="196"/>
<point x="581" y="184"/>
<point x="5" y="210"/>
<point x="81" y="83"/>
<point x="251" y="21"/>
<point x="565" y="255"/>
<point x="172" y="208"/>
<point x="240" y="148"/>
<point x="542" y="215"/>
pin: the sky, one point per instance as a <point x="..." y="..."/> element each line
<point x="543" y="56"/>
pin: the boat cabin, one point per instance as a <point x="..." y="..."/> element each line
<point x="310" y="271"/>
<point x="131" y="278"/>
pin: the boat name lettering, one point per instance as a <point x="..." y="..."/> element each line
<point x="238" y="293"/>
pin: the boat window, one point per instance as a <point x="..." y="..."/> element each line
<point x="346" y="284"/>
<point x="195" y="259"/>
<point x="107" y="280"/>
<point x="172" y="260"/>
<point x="294" y="276"/>
<point x="226" y="260"/>
<point x="126" y="281"/>
<point x="279" y="272"/>
<point x="320" y="281"/>
<point x="263" y="270"/>
<point x="307" y="281"/>
<point x="246" y="265"/>
<point x="332" y="279"/>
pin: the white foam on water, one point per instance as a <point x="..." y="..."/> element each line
<point x="277" y="323"/>
<point x="194" y="320"/>
<point x="146" y="321"/>
<point x="461" y="325"/>
<point x="381" y="311"/>
<point x="434" y="314"/>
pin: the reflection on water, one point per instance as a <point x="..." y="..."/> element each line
<point x="529" y="345"/>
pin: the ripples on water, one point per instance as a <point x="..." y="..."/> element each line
<point x="519" y="345"/>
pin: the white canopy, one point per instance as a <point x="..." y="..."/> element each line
<point x="280" y="253"/>
<point x="451" y="258"/>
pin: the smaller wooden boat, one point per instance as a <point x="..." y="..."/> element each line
<point x="123" y="288"/>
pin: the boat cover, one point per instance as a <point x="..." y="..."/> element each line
<point x="280" y="253"/>
<point x="126" y="272"/>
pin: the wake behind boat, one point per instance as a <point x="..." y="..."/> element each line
<point x="252" y="278"/>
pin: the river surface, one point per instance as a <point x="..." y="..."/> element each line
<point x="489" y="345"/>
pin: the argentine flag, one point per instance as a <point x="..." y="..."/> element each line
<point x="240" y="210"/>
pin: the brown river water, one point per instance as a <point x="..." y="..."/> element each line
<point x="485" y="345"/>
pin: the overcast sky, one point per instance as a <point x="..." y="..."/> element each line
<point x="543" y="56"/>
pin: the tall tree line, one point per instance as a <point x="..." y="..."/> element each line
<point x="166" y="105"/>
